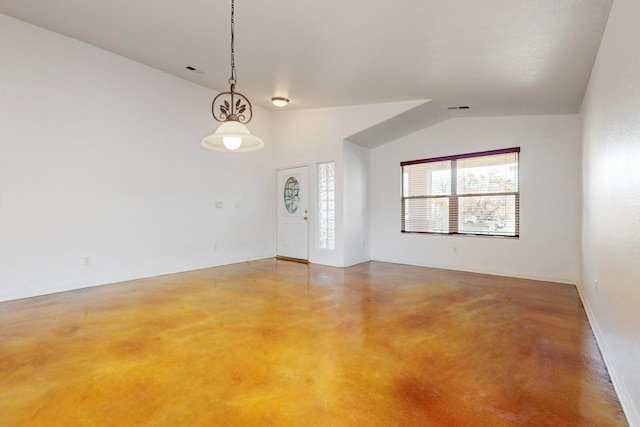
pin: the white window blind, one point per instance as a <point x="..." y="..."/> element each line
<point x="426" y="195"/>
<point x="475" y="193"/>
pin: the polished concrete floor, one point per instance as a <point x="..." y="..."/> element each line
<point x="275" y="343"/>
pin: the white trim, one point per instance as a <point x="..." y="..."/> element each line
<point x="490" y="273"/>
<point x="75" y="286"/>
<point x="624" y="396"/>
<point x="361" y="261"/>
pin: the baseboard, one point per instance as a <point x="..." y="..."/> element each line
<point x="628" y="406"/>
<point x="71" y="285"/>
<point x="286" y="258"/>
<point x="352" y="263"/>
<point x="491" y="273"/>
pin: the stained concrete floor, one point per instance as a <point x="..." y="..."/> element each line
<point x="275" y="343"/>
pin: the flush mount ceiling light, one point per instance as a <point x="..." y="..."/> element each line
<point x="279" y="101"/>
<point x="233" y="109"/>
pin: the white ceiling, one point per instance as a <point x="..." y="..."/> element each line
<point x="501" y="57"/>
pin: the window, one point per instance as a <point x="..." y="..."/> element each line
<point x="326" y="206"/>
<point x="473" y="193"/>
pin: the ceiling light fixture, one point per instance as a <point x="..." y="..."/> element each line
<point x="279" y="101"/>
<point x="233" y="109"/>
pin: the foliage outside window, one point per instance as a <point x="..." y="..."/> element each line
<point x="476" y="193"/>
<point x="326" y="205"/>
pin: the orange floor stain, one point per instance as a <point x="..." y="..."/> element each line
<point x="275" y="343"/>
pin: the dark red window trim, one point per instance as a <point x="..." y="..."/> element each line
<point x="462" y="156"/>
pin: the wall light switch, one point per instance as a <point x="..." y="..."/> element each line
<point x="219" y="204"/>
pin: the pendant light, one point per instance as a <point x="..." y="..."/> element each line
<point x="233" y="109"/>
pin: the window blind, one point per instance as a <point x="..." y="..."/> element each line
<point x="474" y="193"/>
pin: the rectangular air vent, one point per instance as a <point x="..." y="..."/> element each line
<point x="190" y="68"/>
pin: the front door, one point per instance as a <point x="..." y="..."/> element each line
<point x="293" y="213"/>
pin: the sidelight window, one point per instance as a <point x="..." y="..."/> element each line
<point x="326" y="206"/>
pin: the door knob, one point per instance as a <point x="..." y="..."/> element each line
<point x="305" y="218"/>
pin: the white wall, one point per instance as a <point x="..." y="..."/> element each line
<point x="549" y="243"/>
<point x="356" y="204"/>
<point x="611" y="211"/>
<point x="100" y="157"/>
<point x="306" y="137"/>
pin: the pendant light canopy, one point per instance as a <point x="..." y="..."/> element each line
<point x="233" y="109"/>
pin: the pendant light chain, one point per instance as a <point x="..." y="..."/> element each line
<point x="233" y="79"/>
<point x="233" y="109"/>
<point x="232" y="105"/>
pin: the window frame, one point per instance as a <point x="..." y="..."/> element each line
<point x="454" y="197"/>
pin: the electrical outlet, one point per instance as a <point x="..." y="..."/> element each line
<point x="596" y="283"/>
<point x="215" y="247"/>
<point x="219" y="204"/>
<point x="455" y="249"/>
<point x="86" y="261"/>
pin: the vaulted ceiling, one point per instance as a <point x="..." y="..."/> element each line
<point x="500" y="57"/>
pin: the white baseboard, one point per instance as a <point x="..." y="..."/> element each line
<point x="628" y="406"/>
<point x="360" y="261"/>
<point x="491" y="273"/>
<point x="76" y="284"/>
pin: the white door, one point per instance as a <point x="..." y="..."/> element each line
<point x="293" y="213"/>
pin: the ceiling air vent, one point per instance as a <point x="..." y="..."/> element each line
<point x="190" y="68"/>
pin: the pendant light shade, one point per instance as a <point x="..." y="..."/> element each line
<point x="232" y="136"/>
